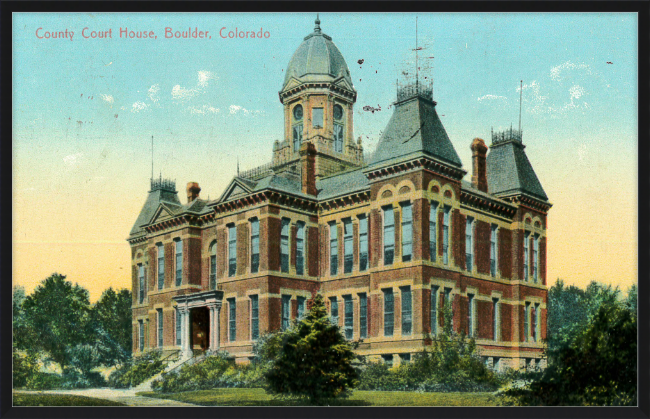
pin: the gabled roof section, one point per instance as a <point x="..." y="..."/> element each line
<point x="414" y="130"/>
<point x="162" y="192"/>
<point x="509" y="171"/>
<point x="238" y="187"/>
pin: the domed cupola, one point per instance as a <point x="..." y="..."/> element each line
<point x="318" y="98"/>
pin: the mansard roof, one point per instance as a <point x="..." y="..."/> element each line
<point x="414" y="130"/>
<point x="342" y="184"/>
<point x="162" y="192"/>
<point x="509" y="171"/>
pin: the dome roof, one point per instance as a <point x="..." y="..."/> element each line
<point x="317" y="59"/>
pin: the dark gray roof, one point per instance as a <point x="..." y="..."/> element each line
<point x="510" y="172"/>
<point x="342" y="184"/>
<point x="156" y="197"/>
<point x="414" y="129"/>
<point x="467" y="186"/>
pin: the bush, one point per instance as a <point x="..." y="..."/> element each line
<point x="25" y="366"/>
<point x="137" y="371"/>
<point x="73" y="378"/>
<point x="44" y="381"/>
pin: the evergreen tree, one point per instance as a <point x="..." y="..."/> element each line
<point x="315" y="361"/>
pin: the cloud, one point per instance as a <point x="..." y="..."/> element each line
<point x="153" y="93"/>
<point x="556" y="72"/>
<point x="492" y="97"/>
<point x="108" y="99"/>
<point x="534" y="97"/>
<point x="204" y="76"/>
<point x="139" y="106"/>
<point x="205" y="109"/>
<point x="235" y="109"/>
<point x="72" y="160"/>
<point x="183" y="93"/>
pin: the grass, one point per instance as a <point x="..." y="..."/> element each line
<point x="258" y="397"/>
<point x="40" y="399"/>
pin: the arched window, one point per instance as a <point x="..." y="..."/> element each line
<point x="213" y="265"/>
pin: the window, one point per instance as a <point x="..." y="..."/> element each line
<point x="300" y="248"/>
<point x="469" y="244"/>
<point x="349" y="316"/>
<point x="470" y="315"/>
<point x="284" y="245"/>
<point x="179" y="334"/>
<point x="445" y="235"/>
<point x="536" y="325"/>
<point x="434" y="310"/>
<point x="493" y="250"/>
<point x="389" y="235"/>
<point x="255" y="245"/>
<point x="232" y="250"/>
<point x="297" y="137"/>
<point x="301" y="307"/>
<point x="317" y="117"/>
<point x="363" y="315"/>
<point x="338" y="138"/>
<point x="141" y="282"/>
<point x="407" y="317"/>
<point x="433" y="231"/>
<point x="232" y="319"/>
<point x="141" y="335"/>
<point x="286" y="311"/>
<point x="449" y="306"/>
<point x="495" y="318"/>
<point x="535" y="253"/>
<point x="213" y="265"/>
<point x="389" y="313"/>
<point x="161" y="266"/>
<point x="334" y="310"/>
<point x="255" y="317"/>
<point x="348" y="257"/>
<point x="179" y="262"/>
<point x="160" y="327"/>
<point x="407" y="232"/>
<point x="334" y="249"/>
<point x="526" y="321"/>
<point x="363" y="243"/>
<point x="388" y="360"/>
<point x="405" y="358"/>
<point x="526" y="255"/>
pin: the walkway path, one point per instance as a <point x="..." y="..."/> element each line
<point x="127" y="397"/>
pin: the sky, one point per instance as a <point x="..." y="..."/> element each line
<point x="85" y="109"/>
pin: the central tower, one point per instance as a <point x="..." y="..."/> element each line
<point x="318" y="98"/>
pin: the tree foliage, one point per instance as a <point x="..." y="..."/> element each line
<point x="315" y="361"/>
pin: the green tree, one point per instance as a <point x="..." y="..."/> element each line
<point x="631" y="300"/>
<point x="315" y="361"/>
<point x="112" y="315"/>
<point x="57" y="314"/>
<point x="21" y="330"/>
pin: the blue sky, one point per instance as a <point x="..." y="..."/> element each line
<point x="85" y="110"/>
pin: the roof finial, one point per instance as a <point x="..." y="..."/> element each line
<point x="237" y="166"/>
<point x="317" y="27"/>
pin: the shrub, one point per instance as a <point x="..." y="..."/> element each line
<point x="73" y="378"/>
<point x="25" y="366"/>
<point x="44" y="381"/>
<point x="137" y="371"/>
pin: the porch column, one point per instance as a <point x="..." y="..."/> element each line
<point x="211" y="328"/>
<point x="186" y="341"/>
<point x="215" y="327"/>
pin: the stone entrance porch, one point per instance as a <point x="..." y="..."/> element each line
<point x="199" y="311"/>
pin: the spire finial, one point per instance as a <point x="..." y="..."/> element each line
<point x="237" y="166"/>
<point x="317" y="27"/>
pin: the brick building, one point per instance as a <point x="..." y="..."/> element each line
<point x="387" y="240"/>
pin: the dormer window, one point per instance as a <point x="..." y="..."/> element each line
<point x="317" y="117"/>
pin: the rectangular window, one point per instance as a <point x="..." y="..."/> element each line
<point x="470" y="315"/>
<point x="334" y="249"/>
<point x="255" y="317"/>
<point x="232" y="319"/>
<point x="141" y="283"/>
<point x="469" y="244"/>
<point x="348" y="257"/>
<point x="363" y="315"/>
<point x="161" y="266"/>
<point x="213" y="266"/>
<point x="445" y="235"/>
<point x="449" y="306"/>
<point x="433" y="231"/>
<point x="301" y="307"/>
<point x="493" y="250"/>
<point x="363" y="243"/>
<point x="338" y="138"/>
<point x="389" y="312"/>
<point x="526" y="255"/>
<point x="297" y="137"/>
<point x="434" y="310"/>
<point x="389" y="235"/>
<point x="317" y="117"/>
<point x="495" y="319"/>
<point x="255" y="245"/>
<point x="284" y="245"/>
<point x="286" y="311"/>
<point x="179" y="262"/>
<point x="179" y="323"/>
<point x="536" y="323"/>
<point x="388" y="360"/>
<point x="300" y="248"/>
<point x="160" y="327"/>
<point x="349" y="316"/>
<point x="334" y="310"/>
<point x="141" y="335"/>
<point x="407" y="232"/>
<point x="232" y="250"/>
<point x="526" y="323"/>
<point x="535" y="256"/>
<point x="405" y="358"/>
<point x="407" y="309"/>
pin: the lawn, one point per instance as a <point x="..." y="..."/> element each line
<point x="258" y="397"/>
<point x="40" y="399"/>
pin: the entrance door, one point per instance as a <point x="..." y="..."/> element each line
<point x="200" y="328"/>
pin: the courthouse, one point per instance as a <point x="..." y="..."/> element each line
<point x="388" y="238"/>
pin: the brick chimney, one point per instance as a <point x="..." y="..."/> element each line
<point x="193" y="191"/>
<point x="308" y="162"/>
<point x="479" y="168"/>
